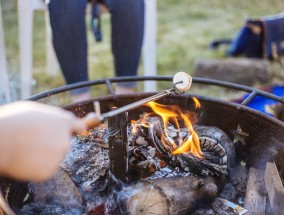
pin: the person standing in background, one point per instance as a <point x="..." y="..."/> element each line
<point x="67" y="19"/>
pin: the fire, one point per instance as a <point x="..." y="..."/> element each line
<point x="173" y="114"/>
<point x="197" y="103"/>
<point x="141" y="122"/>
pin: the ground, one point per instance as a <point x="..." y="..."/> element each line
<point x="185" y="28"/>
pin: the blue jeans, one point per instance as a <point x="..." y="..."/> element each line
<point x="67" y="20"/>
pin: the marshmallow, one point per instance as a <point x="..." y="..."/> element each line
<point x="186" y="81"/>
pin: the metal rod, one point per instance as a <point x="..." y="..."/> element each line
<point x="204" y="81"/>
<point x="249" y="98"/>
<point x="135" y="104"/>
<point x="109" y="87"/>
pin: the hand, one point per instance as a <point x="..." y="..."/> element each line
<point x="34" y="138"/>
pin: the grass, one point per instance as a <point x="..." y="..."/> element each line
<point x="185" y="28"/>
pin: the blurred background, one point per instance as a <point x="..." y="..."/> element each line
<point x="185" y="28"/>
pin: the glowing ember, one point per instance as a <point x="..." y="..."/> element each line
<point x="174" y="115"/>
<point x="84" y="133"/>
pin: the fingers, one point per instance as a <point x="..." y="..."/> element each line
<point x="78" y="126"/>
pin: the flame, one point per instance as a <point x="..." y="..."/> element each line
<point x="173" y="114"/>
<point x="141" y="122"/>
<point x="197" y="103"/>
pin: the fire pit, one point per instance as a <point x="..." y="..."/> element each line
<point x="239" y="147"/>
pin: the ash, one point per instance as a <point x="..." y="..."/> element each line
<point x="42" y="208"/>
<point x="87" y="163"/>
<point x="168" y="172"/>
<point x="87" y="166"/>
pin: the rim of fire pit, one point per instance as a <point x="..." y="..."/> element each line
<point x="253" y="92"/>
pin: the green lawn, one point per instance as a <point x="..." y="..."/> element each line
<point x="185" y="28"/>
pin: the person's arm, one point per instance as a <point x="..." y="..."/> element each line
<point x="34" y="138"/>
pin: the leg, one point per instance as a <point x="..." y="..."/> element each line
<point x="67" y="20"/>
<point x="127" y="19"/>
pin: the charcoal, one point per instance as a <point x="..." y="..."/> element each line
<point x="87" y="163"/>
<point x="167" y="172"/>
<point x="220" y="208"/>
<point x="229" y="192"/>
<point x="152" y="151"/>
<point x="204" y="211"/>
<point x="239" y="177"/>
<point x="48" y="209"/>
<point x="142" y="142"/>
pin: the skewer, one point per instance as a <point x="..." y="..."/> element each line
<point x="182" y="82"/>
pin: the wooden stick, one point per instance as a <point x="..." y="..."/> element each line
<point x="274" y="188"/>
<point x="4" y="206"/>
<point x="254" y="201"/>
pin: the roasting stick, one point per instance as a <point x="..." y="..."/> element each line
<point x="4" y="206"/>
<point x="182" y="82"/>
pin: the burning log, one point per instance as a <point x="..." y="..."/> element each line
<point x="215" y="159"/>
<point x="203" y="167"/>
<point x="176" y="195"/>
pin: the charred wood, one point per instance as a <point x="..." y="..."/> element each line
<point x="204" y="211"/>
<point x="204" y="167"/>
<point x="168" y="172"/>
<point x="118" y="145"/>
<point x="221" y="138"/>
<point x="143" y="162"/>
<point x="229" y="192"/>
<point x="216" y="164"/>
<point x="59" y="189"/>
<point x="239" y="177"/>
<point x="219" y="207"/>
<point x="47" y="209"/>
<point x="87" y="163"/>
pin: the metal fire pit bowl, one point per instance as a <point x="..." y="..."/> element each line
<point x="265" y="140"/>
